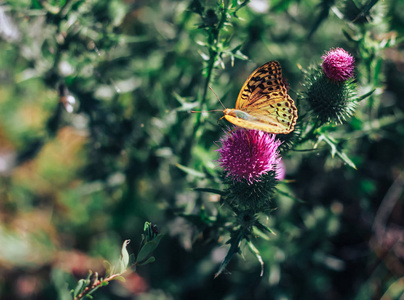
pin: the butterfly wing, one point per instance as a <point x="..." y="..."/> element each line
<point x="267" y="125"/>
<point x="264" y="96"/>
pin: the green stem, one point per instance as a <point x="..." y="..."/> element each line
<point x="310" y="134"/>
<point x="213" y="42"/>
<point x="97" y="284"/>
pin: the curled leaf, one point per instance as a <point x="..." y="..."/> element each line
<point x="124" y="257"/>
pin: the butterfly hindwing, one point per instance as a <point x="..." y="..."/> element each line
<point x="280" y="108"/>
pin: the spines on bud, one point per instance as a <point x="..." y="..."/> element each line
<point x="242" y="196"/>
<point x="330" y="100"/>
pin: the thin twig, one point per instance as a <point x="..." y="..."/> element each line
<point x="386" y="207"/>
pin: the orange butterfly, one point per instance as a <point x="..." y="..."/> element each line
<point x="263" y="102"/>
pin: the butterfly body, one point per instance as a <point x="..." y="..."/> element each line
<point x="238" y="114"/>
<point x="263" y="102"/>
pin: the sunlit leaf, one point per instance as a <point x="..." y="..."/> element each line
<point x="124" y="256"/>
<point x="108" y="268"/>
<point x="255" y="251"/>
<point x="120" y="278"/>
<point x="190" y="171"/>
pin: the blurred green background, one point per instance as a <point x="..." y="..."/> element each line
<point x="77" y="179"/>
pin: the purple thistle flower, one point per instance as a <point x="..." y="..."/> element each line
<point x="338" y="64"/>
<point x="280" y="171"/>
<point x="248" y="154"/>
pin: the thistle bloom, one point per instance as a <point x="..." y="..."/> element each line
<point x="280" y="171"/>
<point x="338" y="64"/>
<point x="246" y="155"/>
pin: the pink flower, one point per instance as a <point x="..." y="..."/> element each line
<point x="280" y="171"/>
<point x="248" y="154"/>
<point x="338" y="64"/>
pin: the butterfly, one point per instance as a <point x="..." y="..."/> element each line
<point x="263" y="102"/>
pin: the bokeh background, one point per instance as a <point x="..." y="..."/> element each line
<point x="96" y="138"/>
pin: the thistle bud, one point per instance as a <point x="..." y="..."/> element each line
<point x="150" y="231"/>
<point x="254" y="197"/>
<point x="331" y="90"/>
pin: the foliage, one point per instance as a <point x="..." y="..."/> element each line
<point x="86" y="287"/>
<point x="96" y="136"/>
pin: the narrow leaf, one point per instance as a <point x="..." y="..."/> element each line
<point x="255" y="251"/>
<point x="191" y="171"/>
<point x="365" y="95"/>
<point x="335" y="149"/>
<point x="150" y="260"/>
<point x="79" y="287"/>
<point x="323" y="15"/>
<point x="289" y="196"/>
<point x="234" y="248"/>
<point x="264" y="228"/>
<point x="208" y="190"/>
<point x="348" y="36"/>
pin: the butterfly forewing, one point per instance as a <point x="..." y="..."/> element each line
<point x="264" y="96"/>
<point x="265" y="80"/>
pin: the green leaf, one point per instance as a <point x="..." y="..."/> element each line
<point x="260" y="234"/>
<point x="234" y="248"/>
<point x="255" y="251"/>
<point x="325" y="6"/>
<point x="239" y="5"/>
<point x="348" y="36"/>
<point x="150" y="260"/>
<point x="335" y="149"/>
<point x="120" y="278"/>
<point x="191" y="171"/>
<point x="280" y="5"/>
<point x="365" y="9"/>
<point x="208" y="190"/>
<point x="201" y="219"/>
<point x="289" y="196"/>
<point x="365" y="95"/>
<point x="261" y="227"/>
<point x="148" y="248"/>
<point x="108" y="268"/>
<point x="78" y="288"/>
<point x="197" y="7"/>
<point x="132" y="259"/>
<point x="36" y="4"/>
<point x="377" y="70"/>
<point x="238" y="54"/>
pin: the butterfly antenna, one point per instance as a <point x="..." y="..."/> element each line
<point x="217" y="97"/>
<point x="204" y="111"/>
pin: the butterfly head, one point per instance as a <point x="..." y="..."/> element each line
<point x="228" y="111"/>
